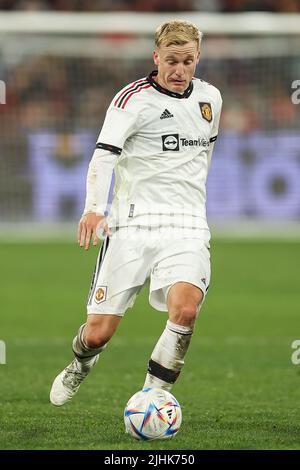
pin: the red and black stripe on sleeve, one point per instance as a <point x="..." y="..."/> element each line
<point x="110" y="148"/>
<point x="132" y="89"/>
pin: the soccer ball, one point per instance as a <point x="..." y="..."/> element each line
<point x="152" y="413"/>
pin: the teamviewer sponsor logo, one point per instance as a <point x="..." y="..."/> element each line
<point x="194" y="142"/>
<point x="170" y="142"/>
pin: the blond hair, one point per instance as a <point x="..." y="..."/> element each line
<point x="177" y="32"/>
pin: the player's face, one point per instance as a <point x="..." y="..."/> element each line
<point x="176" y="65"/>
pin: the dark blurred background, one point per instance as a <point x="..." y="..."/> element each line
<point x="223" y="6"/>
<point x="58" y="87"/>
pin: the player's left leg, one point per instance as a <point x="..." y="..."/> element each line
<point x="167" y="358"/>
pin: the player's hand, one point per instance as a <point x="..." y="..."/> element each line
<point x="90" y="228"/>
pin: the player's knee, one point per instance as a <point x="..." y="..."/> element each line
<point x="185" y="314"/>
<point x="99" y="329"/>
<point x="97" y="338"/>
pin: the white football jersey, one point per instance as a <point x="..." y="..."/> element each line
<point x="164" y="142"/>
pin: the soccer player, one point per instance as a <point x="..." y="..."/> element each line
<point x="158" y="137"/>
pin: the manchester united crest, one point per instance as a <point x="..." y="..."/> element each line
<point x="100" y="294"/>
<point x="206" y="111"/>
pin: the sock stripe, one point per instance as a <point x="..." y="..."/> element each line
<point x="83" y="357"/>
<point x="179" y="333"/>
<point x="162" y="373"/>
<point x="180" y="329"/>
<point x="80" y="349"/>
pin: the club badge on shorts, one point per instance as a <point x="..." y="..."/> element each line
<point x="100" y="294"/>
<point x="206" y="111"/>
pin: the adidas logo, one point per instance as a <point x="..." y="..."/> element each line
<point x="166" y="114"/>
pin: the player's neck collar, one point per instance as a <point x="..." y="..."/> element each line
<point x="163" y="90"/>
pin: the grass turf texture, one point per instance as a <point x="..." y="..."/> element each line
<point x="238" y="390"/>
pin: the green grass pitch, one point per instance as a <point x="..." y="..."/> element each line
<point x="238" y="390"/>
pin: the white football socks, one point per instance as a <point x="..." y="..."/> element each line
<point x="84" y="355"/>
<point x="167" y="358"/>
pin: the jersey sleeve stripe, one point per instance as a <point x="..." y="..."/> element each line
<point x="212" y="139"/>
<point x="120" y="102"/>
<point x="136" y="91"/>
<point x="128" y="89"/>
<point x="110" y="148"/>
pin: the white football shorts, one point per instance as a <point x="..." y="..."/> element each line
<point x="126" y="262"/>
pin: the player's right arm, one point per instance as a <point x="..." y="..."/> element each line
<point x="119" y="124"/>
<point x="88" y="229"/>
<point x="92" y="223"/>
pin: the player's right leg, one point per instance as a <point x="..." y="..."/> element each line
<point x="87" y="345"/>
<point x="113" y="290"/>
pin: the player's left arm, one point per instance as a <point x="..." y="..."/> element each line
<point x="215" y="127"/>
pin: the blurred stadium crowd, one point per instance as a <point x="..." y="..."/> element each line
<point x="67" y="96"/>
<point x="154" y="5"/>
<point x="66" y="92"/>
